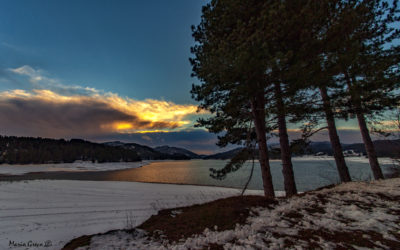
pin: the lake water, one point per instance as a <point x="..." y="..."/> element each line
<point x="310" y="173"/>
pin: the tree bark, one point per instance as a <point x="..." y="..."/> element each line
<point x="369" y="146"/>
<point x="334" y="138"/>
<point x="257" y="107"/>
<point x="287" y="167"/>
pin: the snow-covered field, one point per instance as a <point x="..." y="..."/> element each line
<point x="40" y="211"/>
<point x="353" y="215"/>
<point x="69" y="167"/>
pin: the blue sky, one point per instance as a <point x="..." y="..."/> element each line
<point x="104" y="70"/>
<point x="138" y="49"/>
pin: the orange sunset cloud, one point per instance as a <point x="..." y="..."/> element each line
<point x="47" y="113"/>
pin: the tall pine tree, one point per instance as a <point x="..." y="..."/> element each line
<point x="231" y="73"/>
<point x="368" y="62"/>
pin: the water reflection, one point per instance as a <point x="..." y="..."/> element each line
<point x="164" y="172"/>
<point x="308" y="174"/>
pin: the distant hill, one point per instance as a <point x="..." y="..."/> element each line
<point x="148" y="153"/>
<point x="224" y="155"/>
<point x="175" y="150"/>
<point x="273" y="153"/>
<point x="383" y="148"/>
<point x="29" y="150"/>
<point x="114" y="143"/>
<point x="324" y="147"/>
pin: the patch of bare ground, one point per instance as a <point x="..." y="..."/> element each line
<point x="78" y="242"/>
<point x="84" y="240"/>
<point x="179" y="223"/>
<point x="223" y="213"/>
<point x="214" y="246"/>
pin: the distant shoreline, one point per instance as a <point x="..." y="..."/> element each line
<point x="93" y="176"/>
<point x="78" y="167"/>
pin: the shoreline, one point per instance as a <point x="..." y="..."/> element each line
<point x="84" y="176"/>
<point x="76" y="167"/>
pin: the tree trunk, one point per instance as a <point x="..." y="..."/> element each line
<point x="258" y="106"/>
<point x="369" y="146"/>
<point x="287" y="167"/>
<point x="334" y="138"/>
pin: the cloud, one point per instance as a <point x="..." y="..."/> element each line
<point x="15" y="47"/>
<point x="50" y="108"/>
<point x="39" y="79"/>
<point x="48" y="114"/>
<point x="34" y="75"/>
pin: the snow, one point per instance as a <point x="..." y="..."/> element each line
<point x="360" y="159"/>
<point x="348" y="208"/>
<point x="59" y="210"/>
<point x="69" y="167"/>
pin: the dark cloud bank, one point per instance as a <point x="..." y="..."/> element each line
<point x="38" y="117"/>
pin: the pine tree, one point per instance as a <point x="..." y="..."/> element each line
<point x="232" y="74"/>
<point x="367" y="61"/>
<point x="280" y="42"/>
<point x="319" y="73"/>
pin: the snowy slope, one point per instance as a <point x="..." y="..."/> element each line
<point x="349" y="216"/>
<point x="59" y="211"/>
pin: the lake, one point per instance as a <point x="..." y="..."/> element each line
<point x="310" y="173"/>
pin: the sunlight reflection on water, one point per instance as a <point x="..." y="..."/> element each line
<point x="308" y="174"/>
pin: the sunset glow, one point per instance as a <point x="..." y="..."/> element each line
<point x="102" y="112"/>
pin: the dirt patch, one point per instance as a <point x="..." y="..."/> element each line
<point x="387" y="197"/>
<point x="222" y="215"/>
<point x="313" y="209"/>
<point x="183" y="222"/>
<point x="213" y="246"/>
<point x="78" y="242"/>
<point x="293" y="215"/>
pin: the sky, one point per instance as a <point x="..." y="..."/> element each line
<point x="103" y="71"/>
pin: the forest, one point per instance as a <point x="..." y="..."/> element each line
<point x="27" y="150"/>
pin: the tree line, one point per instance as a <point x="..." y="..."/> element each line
<point x="265" y="64"/>
<point x="29" y="150"/>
